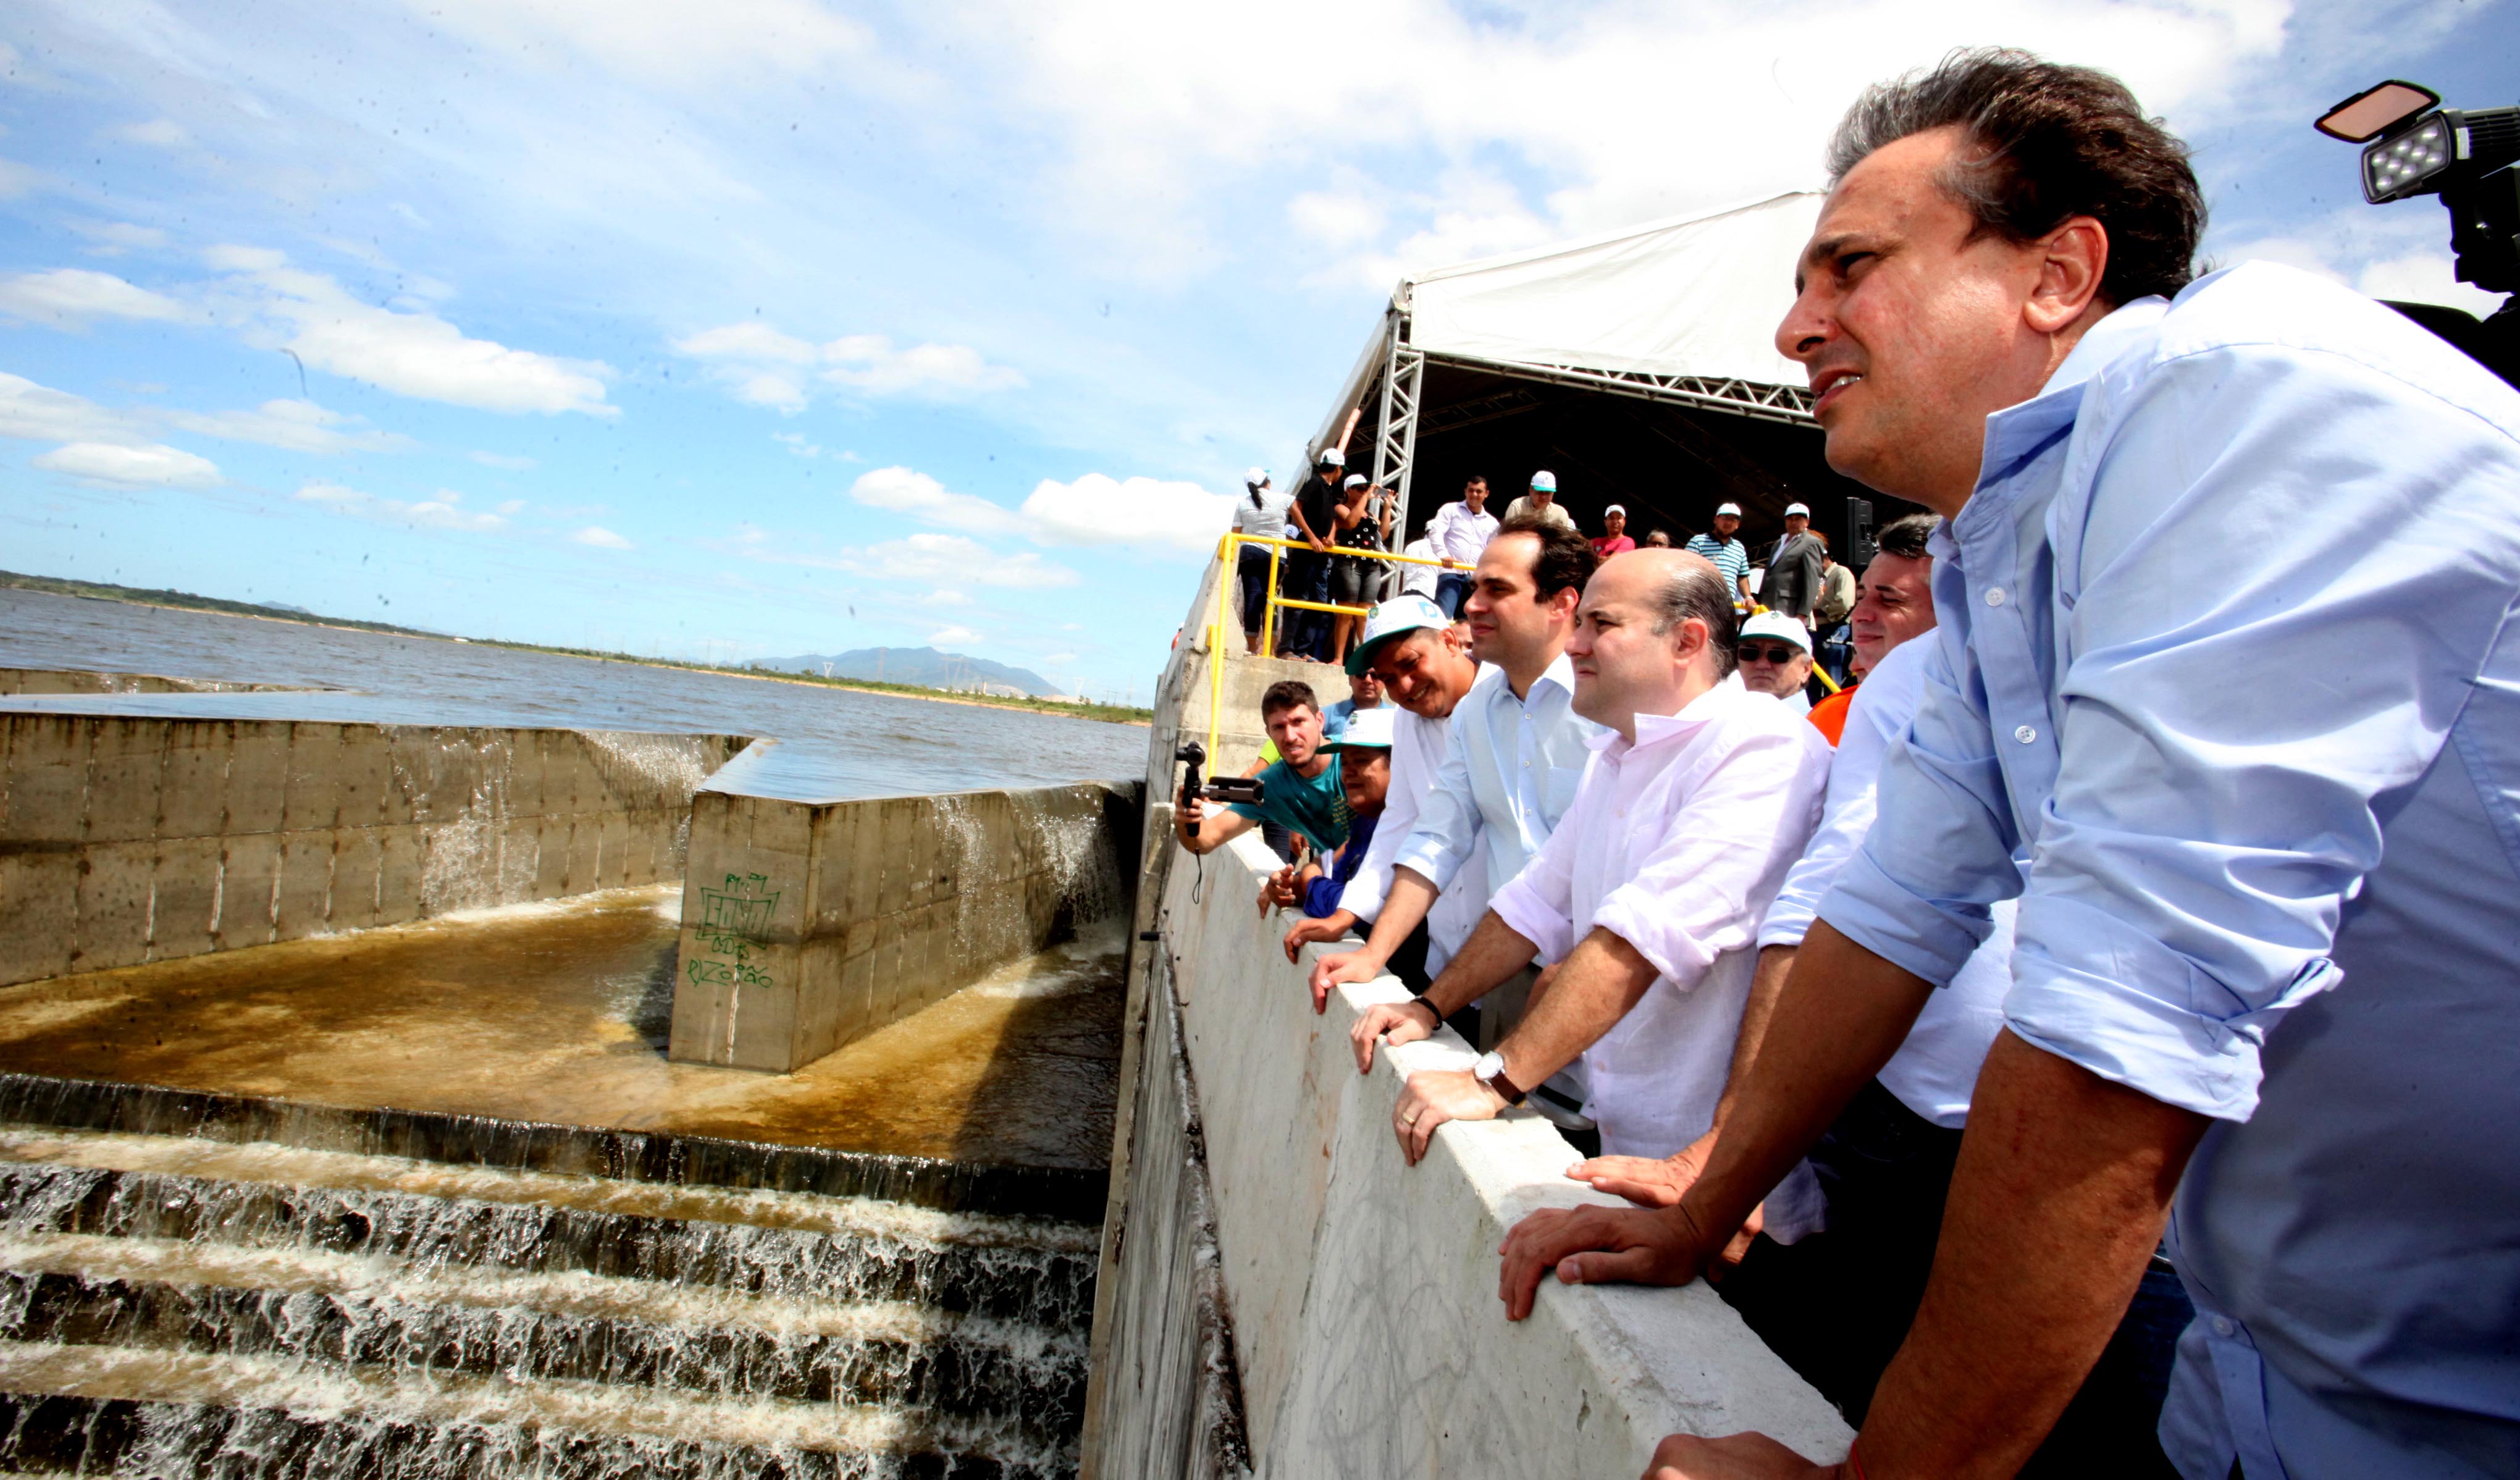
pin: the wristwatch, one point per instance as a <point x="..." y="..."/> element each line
<point x="1490" y="1071"/>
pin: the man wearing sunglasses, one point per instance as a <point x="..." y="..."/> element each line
<point x="1777" y="658"/>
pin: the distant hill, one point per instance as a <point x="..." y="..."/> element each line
<point x="915" y="665"/>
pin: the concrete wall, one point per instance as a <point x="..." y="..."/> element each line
<point x="129" y="840"/>
<point x="1189" y="690"/>
<point x="1362" y="1294"/>
<point x="807" y="925"/>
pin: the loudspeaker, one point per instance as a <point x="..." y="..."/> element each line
<point x="1859" y="547"/>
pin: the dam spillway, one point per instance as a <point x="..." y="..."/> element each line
<point x="431" y="1198"/>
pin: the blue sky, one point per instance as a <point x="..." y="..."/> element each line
<point x="766" y="325"/>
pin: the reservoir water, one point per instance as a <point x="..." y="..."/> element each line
<point x="833" y="742"/>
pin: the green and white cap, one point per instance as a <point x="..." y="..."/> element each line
<point x="1366" y="730"/>
<point x="1397" y="618"/>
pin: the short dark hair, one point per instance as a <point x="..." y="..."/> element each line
<point x="2049" y="142"/>
<point x="1906" y="536"/>
<point x="1566" y="558"/>
<point x="1698" y="590"/>
<point x="1288" y="693"/>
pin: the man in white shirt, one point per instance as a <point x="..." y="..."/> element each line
<point x="1460" y="532"/>
<point x="1541" y="502"/>
<point x="1514" y="760"/>
<point x="1699" y="797"/>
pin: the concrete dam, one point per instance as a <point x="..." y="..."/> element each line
<point x="388" y="1100"/>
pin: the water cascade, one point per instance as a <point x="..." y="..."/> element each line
<point x="269" y="1291"/>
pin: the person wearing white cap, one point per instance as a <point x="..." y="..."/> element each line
<point x="1542" y="500"/>
<point x="1777" y="658"/>
<point x="1364" y="520"/>
<point x="1728" y="554"/>
<point x="1364" y="750"/>
<point x="1698" y="797"/>
<point x="1613" y="538"/>
<point x="1307" y="578"/>
<point x="1261" y="514"/>
<point x="1794" y="566"/>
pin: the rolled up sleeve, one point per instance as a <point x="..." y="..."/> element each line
<point x="2230" y="728"/>
<point x="1696" y="895"/>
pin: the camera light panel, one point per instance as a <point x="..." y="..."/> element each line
<point x="2400" y="165"/>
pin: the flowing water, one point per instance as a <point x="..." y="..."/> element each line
<point x="835" y="743"/>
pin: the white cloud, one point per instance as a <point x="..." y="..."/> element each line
<point x="764" y="366"/>
<point x="66" y="298"/>
<point x="509" y="461"/>
<point x="601" y="538"/>
<point x="2384" y="256"/>
<point x="298" y="425"/>
<point x="1097" y="510"/>
<point x="1337" y="218"/>
<point x="443" y="511"/>
<point x="923" y="498"/>
<point x="157" y="133"/>
<point x="512" y="507"/>
<point x="408" y="353"/>
<point x="867" y="362"/>
<point x="931" y="557"/>
<point x="41" y="414"/>
<point x="150" y="465"/>
<point x="114" y="238"/>
<point x="16" y="179"/>
<point x="660" y="41"/>
<point x="954" y="634"/>
<point x="798" y="443"/>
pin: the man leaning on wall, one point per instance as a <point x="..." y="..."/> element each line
<point x="2267" y="788"/>
<point x="1699" y="796"/>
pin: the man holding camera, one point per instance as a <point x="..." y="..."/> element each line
<point x="1300" y="793"/>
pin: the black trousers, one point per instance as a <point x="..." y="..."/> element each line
<point x="1837" y="1305"/>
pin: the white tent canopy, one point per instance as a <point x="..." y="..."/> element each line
<point x="1680" y="310"/>
<point x="1697" y="297"/>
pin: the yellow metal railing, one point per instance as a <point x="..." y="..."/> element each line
<point x="1229" y="556"/>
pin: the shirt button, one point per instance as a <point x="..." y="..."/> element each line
<point x="2221" y="1325"/>
<point x="1994" y="595"/>
<point x="2025" y="734"/>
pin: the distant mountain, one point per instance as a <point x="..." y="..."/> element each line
<point x="923" y="666"/>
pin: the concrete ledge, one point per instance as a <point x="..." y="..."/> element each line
<point x="1363" y="1292"/>
<point x="126" y="839"/>
<point x="807" y="925"/>
<point x="48" y="681"/>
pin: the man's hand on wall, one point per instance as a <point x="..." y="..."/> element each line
<point x="1335" y="970"/>
<point x="1392" y="1022"/>
<point x="1434" y="1097"/>
<point x="1280" y="890"/>
<point x="1645" y="1180"/>
<point x="1305" y="931"/>
<point x="1598" y="1246"/>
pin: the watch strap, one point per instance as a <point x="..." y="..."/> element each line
<point x="1511" y="1093"/>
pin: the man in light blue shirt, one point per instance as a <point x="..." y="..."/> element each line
<point x="2226" y="691"/>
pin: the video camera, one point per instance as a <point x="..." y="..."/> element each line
<point x="1224" y="789"/>
<point x="2411" y="147"/>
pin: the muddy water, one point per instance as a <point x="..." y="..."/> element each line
<point x="559" y="1012"/>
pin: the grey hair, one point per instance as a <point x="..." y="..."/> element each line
<point x="1696" y="589"/>
<point x="2049" y="142"/>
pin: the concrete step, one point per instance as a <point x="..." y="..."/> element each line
<point x="1010" y="1384"/>
<point x="118" y="1411"/>
<point x="782" y="1245"/>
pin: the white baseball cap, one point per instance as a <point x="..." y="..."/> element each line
<point x="1256" y="477"/>
<point x="1794" y="509"/>
<point x="1777" y="624"/>
<point x="1366" y="730"/>
<point x="1397" y="618"/>
<point x="1331" y="457"/>
<point x="1544" y="481"/>
<point x="1620" y="509"/>
<point x="1722" y="510"/>
<point x="1356" y="481"/>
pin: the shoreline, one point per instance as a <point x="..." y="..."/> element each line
<point x="214" y="607"/>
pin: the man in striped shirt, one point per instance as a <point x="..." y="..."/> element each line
<point x="1729" y="553"/>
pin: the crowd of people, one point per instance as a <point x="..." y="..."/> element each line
<point x="2160" y="851"/>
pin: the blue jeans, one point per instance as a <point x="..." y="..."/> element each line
<point x="1308" y="579"/>
<point x="1252" y="571"/>
<point x="1452" y="588"/>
